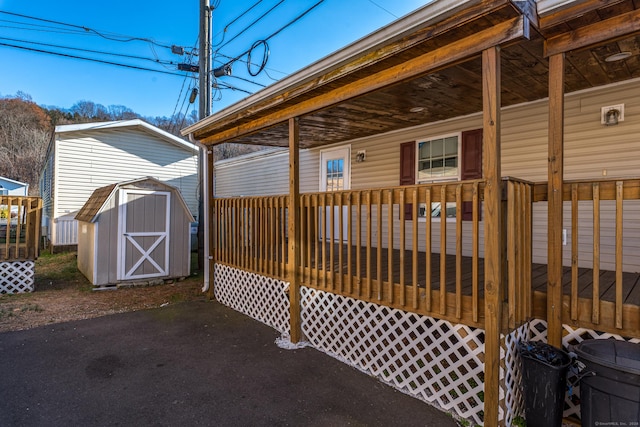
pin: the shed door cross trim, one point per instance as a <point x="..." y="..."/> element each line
<point x="146" y="254"/>
<point x="143" y="244"/>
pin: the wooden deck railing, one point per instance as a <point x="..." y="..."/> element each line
<point x="250" y="233"/>
<point x="518" y="223"/>
<point x="19" y="227"/>
<point x="596" y="206"/>
<point x="373" y="245"/>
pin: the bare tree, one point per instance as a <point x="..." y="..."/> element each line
<point x="25" y="131"/>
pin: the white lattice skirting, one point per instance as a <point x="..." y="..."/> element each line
<point x="433" y="360"/>
<point x="262" y="298"/>
<point x="428" y="358"/>
<point x="17" y="277"/>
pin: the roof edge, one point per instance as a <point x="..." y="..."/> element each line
<point x="125" y="124"/>
<point x="423" y="16"/>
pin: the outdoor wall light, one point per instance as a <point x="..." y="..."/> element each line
<point x="611" y="117"/>
<point x="612" y="114"/>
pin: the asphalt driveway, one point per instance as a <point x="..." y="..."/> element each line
<point x="190" y="364"/>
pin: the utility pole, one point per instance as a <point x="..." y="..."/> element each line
<point x="204" y="110"/>
<point x="205" y="60"/>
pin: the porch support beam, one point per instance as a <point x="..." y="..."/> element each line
<point x="555" y="187"/>
<point x="453" y="53"/>
<point x="493" y="232"/>
<point x="567" y="13"/>
<point x="294" y="230"/>
<point x="594" y="34"/>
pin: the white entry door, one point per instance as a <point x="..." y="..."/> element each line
<point x="143" y="243"/>
<point x="335" y="175"/>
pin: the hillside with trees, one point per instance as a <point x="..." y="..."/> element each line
<point x="27" y="128"/>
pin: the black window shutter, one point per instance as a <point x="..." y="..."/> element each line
<point x="408" y="171"/>
<point x="471" y="164"/>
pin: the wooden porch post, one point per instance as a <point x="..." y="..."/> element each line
<point x="294" y="230"/>
<point x="493" y="292"/>
<point x="555" y="181"/>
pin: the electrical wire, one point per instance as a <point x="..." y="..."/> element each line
<point x="158" y="61"/>
<point x="248" y="81"/>
<point x="248" y="52"/>
<point x="224" y="85"/>
<point x="294" y="20"/>
<point x="114" y="37"/>
<point x="265" y="57"/>
<point x="266" y="69"/>
<point x="251" y="25"/>
<point x="233" y="21"/>
<point x="175" y="108"/>
<point x="376" y="4"/>
<point x="135" y="67"/>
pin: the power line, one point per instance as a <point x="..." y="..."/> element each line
<point x="158" y="61"/>
<point x="248" y="81"/>
<point x="233" y="21"/>
<point x="114" y="37"/>
<point x="250" y="25"/>
<point x="135" y="67"/>
<point x="287" y="25"/>
<point x="245" y="62"/>
<point x="294" y="20"/>
<point x="376" y="4"/>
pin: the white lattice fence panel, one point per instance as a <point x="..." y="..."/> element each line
<point x="511" y="398"/>
<point x="17" y="277"/>
<point x="431" y="359"/>
<point x="262" y="298"/>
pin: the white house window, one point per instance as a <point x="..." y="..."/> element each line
<point x="438" y="160"/>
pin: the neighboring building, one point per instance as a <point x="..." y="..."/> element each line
<point x="9" y="187"/>
<point x="84" y="157"/>
<point x="134" y="232"/>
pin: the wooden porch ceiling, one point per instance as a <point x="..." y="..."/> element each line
<point x="331" y="112"/>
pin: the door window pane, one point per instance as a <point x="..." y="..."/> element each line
<point x="335" y="173"/>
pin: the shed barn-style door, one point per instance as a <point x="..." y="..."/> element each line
<point x="143" y="244"/>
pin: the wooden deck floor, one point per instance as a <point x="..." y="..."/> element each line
<point x="631" y="281"/>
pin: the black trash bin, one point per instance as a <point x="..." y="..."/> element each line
<point x="544" y="382"/>
<point x="609" y="383"/>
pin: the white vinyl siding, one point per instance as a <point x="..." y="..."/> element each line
<point x="90" y="160"/>
<point x="261" y="174"/>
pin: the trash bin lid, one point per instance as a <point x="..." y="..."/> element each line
<point x="621" y="355"/>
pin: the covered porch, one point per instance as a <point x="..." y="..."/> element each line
<point x="344" y="253"/>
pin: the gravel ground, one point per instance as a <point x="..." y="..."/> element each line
<point x="62" y="294"/>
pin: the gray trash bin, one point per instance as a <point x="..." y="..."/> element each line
<point x="610" y="382"/>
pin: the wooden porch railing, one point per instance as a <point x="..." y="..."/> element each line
<point x="594" y="206"/>
<point x="20" y="219"/>
<point x="360" y="244"/>
<point x="250" y="233"/>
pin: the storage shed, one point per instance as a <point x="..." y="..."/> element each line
<point x="134" y="232"/>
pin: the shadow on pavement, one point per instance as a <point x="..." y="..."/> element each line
<point x="196" y="363"/>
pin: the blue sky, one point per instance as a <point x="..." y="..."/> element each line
<point x="104" y="26"/>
